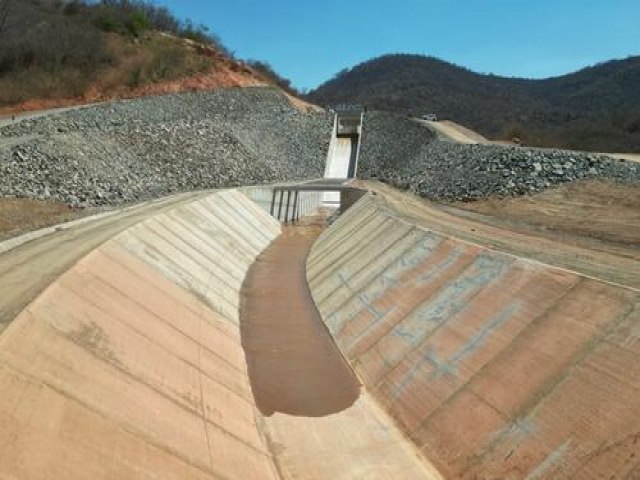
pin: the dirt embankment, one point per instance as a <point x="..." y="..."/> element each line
<point x="134" y="74"/>
<point x="217" y="77"/>
<point x="596" y="210"/>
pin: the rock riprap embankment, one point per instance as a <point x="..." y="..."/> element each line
<point x="145" y="148"/>
<point x="407" y="155"/>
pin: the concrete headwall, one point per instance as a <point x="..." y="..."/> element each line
<point x="308" y="202"/>
<point x="494" y="366"/>
<point x="130" y="365"/>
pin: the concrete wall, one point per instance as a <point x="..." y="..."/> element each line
<point x="130" y="365"/>
<point x="348" y="198"/>
<point x="308" y="202"/>
<point x="494" y="366"/>
<point x="332" y="147"/>
<point x="342" y="159"/>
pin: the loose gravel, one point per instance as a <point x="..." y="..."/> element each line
<point x="145" y="148"/>
<point x="407" y="155"/>
<point x="138" y="149"/>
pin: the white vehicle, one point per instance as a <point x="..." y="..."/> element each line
<point x="430" y="117"/>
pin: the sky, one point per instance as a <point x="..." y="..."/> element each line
<point x="310" y="41"/>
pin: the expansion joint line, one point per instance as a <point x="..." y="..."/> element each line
<point x="202" y="404"/>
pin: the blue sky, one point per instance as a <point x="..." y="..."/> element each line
<point x="309" y="41"/>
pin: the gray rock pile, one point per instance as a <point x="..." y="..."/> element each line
<point x="126" y="151"/>
<point x="400" y="152"/>
<point x="138" y="149"/>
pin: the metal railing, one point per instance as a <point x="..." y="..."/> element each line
<point x="285" y="200"/>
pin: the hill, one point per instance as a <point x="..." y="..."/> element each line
<point x="597" y="108"/>
<point x="58" y="53"/>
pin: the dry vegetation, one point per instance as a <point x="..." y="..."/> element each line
<point x="132" y="65"/>
<point x="57" y="53"/>
<point x="155" y="58"/>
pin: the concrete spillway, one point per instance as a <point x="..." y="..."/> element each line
<point x="314" y="411"/>
<point x="344" y="148"/>
<point x="341" y="162"/>
<point x="160" y="355"/>
<point x="131" y="365"/>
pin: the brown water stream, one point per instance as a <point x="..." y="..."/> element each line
<point x="294" y="365"/>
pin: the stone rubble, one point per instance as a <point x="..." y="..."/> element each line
<point x="407" y="155"/>
<point x="145" y="148"/>
<point x="128" y="151"/>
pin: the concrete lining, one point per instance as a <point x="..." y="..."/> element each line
<point x="130" y="364"/>
<point x="470" y="363"/>
<point x="308" y="202"/>
<point x="493" y="366"/>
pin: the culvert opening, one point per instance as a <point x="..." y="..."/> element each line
<point x="294" y="365"/>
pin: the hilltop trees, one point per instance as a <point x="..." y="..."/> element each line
<point x="593" y="109"/>
<point x="56" y="49"/>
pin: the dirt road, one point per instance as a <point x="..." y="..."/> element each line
<point x="454" y="132"/>
<point x="8" y="119"/>
<point x="457" y="133"/>
<point x="631" y="157"/>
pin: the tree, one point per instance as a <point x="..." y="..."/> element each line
<point x="271" y="75"/>
<point x="5" y="8"/>
<point x="137" y="23"/>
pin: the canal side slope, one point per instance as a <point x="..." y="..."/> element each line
<point x="130" y="365"/>
<point x="493" y="365"/>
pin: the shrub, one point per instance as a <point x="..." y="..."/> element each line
<point x="108" y="24"/>
<point x="74" y="7"/>
<point x="268" y="72"/>
<point x="135" y="77"/>
<point x="137" y="23"/>
<point x="58" y="48"/>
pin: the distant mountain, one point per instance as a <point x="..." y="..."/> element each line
<point x="597" y="108"/>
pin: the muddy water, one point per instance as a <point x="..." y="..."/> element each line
<point x="294" y="365"/>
